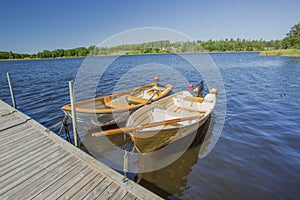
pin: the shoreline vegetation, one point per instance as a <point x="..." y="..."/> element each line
<point x="282" y="52"/>
<point x="157" y="47"/>
<point x="265" y="48"/>
<point x="289" y="46"/>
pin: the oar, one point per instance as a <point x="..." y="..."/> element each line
<point x="142" y="126"/>
<point x="150" y="100"/>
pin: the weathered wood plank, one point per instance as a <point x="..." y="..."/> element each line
<point x="96" y="191"/>
<point x="66" y="181"/>
<point x="38" y="164"/>
<point x="21" y="141"/>
<point x="40" y="180"/>
<point x="47" y="178"/>
<point x="20" y="162"/>
<point x="88" y="187"/>
<point x="137" y="190"/>
<point x="23" y="135"/>
<point x="19" y="149"/>
<point x="3" y="110"/>
<point x="108" y="192"/>
<point x="69" y="185"/>
<point x="15" y="136"/>
<point x="129" y="196"/>
<point x="77" y="186"/>
<point x="100" y="188"/>
<point x="119" y="194"/>
<point x="12" y="118"/>
<point x="12" y="131"/>
<point x="21" y="176"/>
<point x="4" y="160"/>
<point x="26" y="166"/>
<point x="11" y="121"/>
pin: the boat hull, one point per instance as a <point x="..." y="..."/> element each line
<point x="114" y="109"/>
<point x="151" y="139"/>
<point x="96" y="120"/>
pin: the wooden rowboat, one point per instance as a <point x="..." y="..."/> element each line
<point x="169" y="119"/>
<point x="116" y="108"/>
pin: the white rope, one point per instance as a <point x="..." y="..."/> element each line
<point x="125" y="166"/>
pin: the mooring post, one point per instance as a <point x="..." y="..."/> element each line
<point x="11" y="90"/>
<point x="74" y="121"/>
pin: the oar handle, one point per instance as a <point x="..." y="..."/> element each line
<point x="150" y="99"/>
<point x="121" y="130"/>
<point x="135" y="128"/>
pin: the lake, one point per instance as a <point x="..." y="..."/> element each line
<point x="257" y="152"/>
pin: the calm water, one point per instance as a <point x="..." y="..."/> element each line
<point x="257" y="155"/>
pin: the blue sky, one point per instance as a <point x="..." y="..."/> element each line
<point x="31" y="26"/>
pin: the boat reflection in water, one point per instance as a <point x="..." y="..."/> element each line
<point x="168" y="181"/>
<point x="171" y="180"/>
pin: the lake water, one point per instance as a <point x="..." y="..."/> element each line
<point x="257" y="155"/>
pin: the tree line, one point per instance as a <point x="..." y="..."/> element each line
<point x="291" y="41"/>
<point x="158" y="47"/>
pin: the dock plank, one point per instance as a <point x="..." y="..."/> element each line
<point x="71" y="180"/>
<point x="27" y="189"/>
<point x="108" y="192"/>
<point x="80" y="184"/>
<point x="22" y="144"/>
<point x="100" y="188"/>
<point x="21" y="161"/>
<point x="11" y="121"/>
<point x="66" y="181"/>
<point x="12" y="131"/>
<point x="129" y="196"/>
<point x="97" y="190"/>
<point x="89" y="187"/>
<point x="38" y="164"/>
<point x="119" y="194"/>
<point x="4" y="160"/>
<point x="9" y="182"/>
<point x="18" y="172"/>
<point x="48" y="178"/>
<point x="24" y="135"/>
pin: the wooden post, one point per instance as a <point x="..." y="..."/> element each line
<point x="11" y="90"/>
<point x="74" y="121"/>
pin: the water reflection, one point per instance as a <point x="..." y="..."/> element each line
<point x="171" y="181"/>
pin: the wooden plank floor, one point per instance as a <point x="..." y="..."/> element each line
<point x="38" y="164"/>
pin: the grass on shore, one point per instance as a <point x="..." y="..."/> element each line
<point x="282" y="52"/>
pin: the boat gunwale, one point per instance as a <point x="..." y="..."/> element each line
<point x="166" y="91"/>
<point x="140" y="134"/>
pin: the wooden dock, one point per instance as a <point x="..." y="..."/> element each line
<point x="38" y="164"/>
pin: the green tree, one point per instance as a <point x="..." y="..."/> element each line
<point x="292" y="39"/>
<point x="11" y="55"/>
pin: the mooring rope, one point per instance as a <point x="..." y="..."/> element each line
<point x="61" y="123"/>
<point x="129" y="150"/>
<point x="125" y="166"/>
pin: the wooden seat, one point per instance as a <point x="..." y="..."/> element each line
<point x="137" y="99"/>
<point x="193" y="99"/>
<point x="108" y="102"/>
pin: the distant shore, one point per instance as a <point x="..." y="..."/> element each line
<point x="130" y="54"/>
<point x="282" y="52"/>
